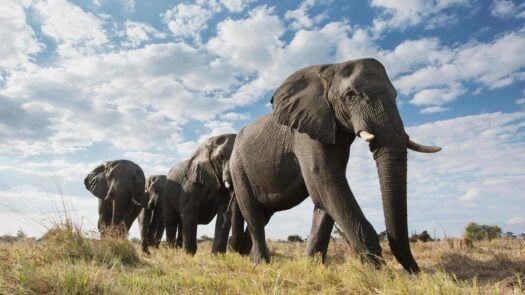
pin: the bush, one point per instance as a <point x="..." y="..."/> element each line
<point x="478" y="232"/>
<point x="295" y="238"/>
<point x="68" y="243"/>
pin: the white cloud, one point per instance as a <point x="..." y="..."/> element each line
<point x="187" y="20"/>
<point x="57" y="169"/>
<point x="250" y="43"/>
<point x="517" y="220"/>
<point x="507" y="9"/>
<point x="236" y="5"/>
<point x="232" y="116"/>
<point x="35" y="211"/>
<point x="406" y="13"/>
<point x="411" y="54"/>
<point x="217" y="128"/>
<point x="129" y="5"/>
<point x="138" y="33"/>
<point x="72" y="28"/>
<point x="433" y="110"/>
<point x="132" y="99"/>
<point x="300" y="18"/>
<point x="440" y="77"/>
<point x="19" y="43"/>
<point x="471" y="195"/>
<point x="437" y="96"/>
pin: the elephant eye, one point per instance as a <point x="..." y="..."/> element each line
<point x="350" y="94"/>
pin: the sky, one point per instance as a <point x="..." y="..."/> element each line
<point x="83" y="82"/>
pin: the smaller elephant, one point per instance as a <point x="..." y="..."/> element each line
<point x="195" y="192"/>
<point x="119" y="185"/>
<point x="151" y="219"/>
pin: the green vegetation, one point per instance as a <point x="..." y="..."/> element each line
<point x="423" y="237"/>
<point x="478" y="232"/>
<point x="65" y="261"/>
<point x="295" y="238"/>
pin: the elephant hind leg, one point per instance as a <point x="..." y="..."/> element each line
<point x="322" y="225"/>
<point x="178" y="242"/>
<point x="255" y="215"/>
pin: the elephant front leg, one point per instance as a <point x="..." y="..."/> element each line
<point x="145" y="228"/>
<point x="322" y="225"/>
<point x="105" y="211"/>
<point x="189" y="233"/>
<point x="323" y="168"/>
<point x="222" y="228"/>
<point x="180" y="237"/>
<point x="171" y="222"/>
<point x="157" y="228"/>
<point x="118" y="224"/>
<point x="240" y="240"/>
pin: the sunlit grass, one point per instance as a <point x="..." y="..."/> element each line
<point x="67" y="261"/>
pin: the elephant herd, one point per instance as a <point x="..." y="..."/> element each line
<point x="301" y="149"/>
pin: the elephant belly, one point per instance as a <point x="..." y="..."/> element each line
<point x="270" y="164"/>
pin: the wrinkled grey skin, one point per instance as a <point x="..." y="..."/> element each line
<point x="119" y="185"/>
<point x="195" y="192"/>
<point x="303" y="147"/>
<point x="151" y="219"/>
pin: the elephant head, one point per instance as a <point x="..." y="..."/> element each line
<point x="154" y="188"/>
<point x="112" y="176"/>
<point x="357" y="98"/>
<point x="96" y="182"/>
<point x="120" y="187"/>
<point x="208" y="164"/>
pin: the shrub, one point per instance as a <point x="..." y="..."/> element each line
<point x="478" y="232"/>
<point x="295" y="238"/>
<point x="67" y="242"/>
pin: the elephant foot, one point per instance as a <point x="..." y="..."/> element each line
<point x="376" y="261"/>
<point x="258" y="257"/>
<point x="145" y="250"/>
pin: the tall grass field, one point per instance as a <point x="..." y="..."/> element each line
<point x="67" y="261"/>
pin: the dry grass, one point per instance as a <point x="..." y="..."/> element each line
<point x="66" y="262"/>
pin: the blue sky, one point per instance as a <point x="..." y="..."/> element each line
<point x="86" y="81"/>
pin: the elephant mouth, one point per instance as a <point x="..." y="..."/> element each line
<point x="412" y="145"/>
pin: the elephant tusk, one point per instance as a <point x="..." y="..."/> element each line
<point x="136" y="202"/>
<point x="366" y="136"/>
<point x="422" y="148"/>
<point x="227" y="184"/>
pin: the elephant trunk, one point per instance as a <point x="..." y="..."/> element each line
<point x="392" y="171"/>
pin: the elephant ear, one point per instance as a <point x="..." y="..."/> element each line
<point x="200" y="168"/>
<point x="96" y="182"/>
<point x="301" y="103"/>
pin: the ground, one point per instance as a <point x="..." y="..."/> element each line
<point x="68" y="262"/>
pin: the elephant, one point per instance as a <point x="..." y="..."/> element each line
<point x="302" y="149"/>
<point x="195" y="192"/>
<point x="119" y="187"/>
<point x="151" y="219"/>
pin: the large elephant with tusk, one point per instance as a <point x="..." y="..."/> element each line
<point x="303" y="147"/>
<point x="119" y="186"/>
